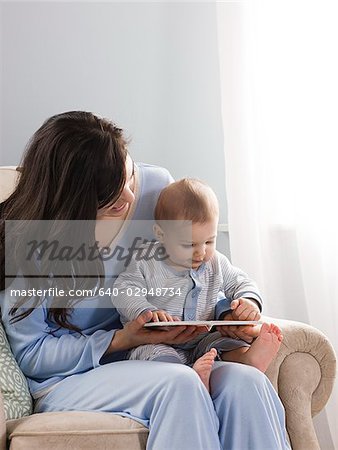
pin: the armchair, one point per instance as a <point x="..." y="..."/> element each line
<point x="303" y="373"/>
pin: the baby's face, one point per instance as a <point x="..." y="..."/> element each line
<point x="191" y="245"/>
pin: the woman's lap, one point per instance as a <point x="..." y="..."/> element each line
<point x="116" y="387"/>
<point x="158" y="395"/>
<point x="242" y="403"/>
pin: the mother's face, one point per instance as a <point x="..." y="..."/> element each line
<point x="120" y="208"/>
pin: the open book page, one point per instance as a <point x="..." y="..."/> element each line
<point x="208" y="323"/>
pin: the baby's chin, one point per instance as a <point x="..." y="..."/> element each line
<point x="180" y="265"/>
<point x="185" y="265"/>
<point x="193" y="265"/>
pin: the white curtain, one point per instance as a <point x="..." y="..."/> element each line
<point x="279" y="81"/>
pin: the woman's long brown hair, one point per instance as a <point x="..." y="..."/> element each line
<point x="73" y="165"/>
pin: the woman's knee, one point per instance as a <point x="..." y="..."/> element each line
<point x="239" y="379"/>
<point x="179" y="378"/>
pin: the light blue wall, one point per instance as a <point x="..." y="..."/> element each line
<point x="151" y="67"/>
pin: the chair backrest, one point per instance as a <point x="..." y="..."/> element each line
<point x="13" y="385"/>
<point x="8" y="178"/>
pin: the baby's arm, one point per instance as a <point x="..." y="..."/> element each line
<point x="241" y="296"/>
<point x="131" y="289"/>
<point x="132" y="299"/>
<point x="242" y="301"/>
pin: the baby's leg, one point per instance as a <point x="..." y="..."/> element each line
<point x="262" y="350"/>
<point x="156" y="352"/>
<point x="206" y="350"/>
<point x="203" y="366"/>
<point x="165" y="353"/>
<point x="219" y="342"/>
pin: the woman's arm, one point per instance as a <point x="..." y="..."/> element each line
<point x="43" y="352"/>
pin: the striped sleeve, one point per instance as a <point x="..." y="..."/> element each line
<point x="236" y="284"/>
<point x="130" y="302"/>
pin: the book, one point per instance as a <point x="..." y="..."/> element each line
<point x="207" y="323"/>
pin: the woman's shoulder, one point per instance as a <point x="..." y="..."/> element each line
<point x="155" y="174"/>
<point x="152" y="179"/>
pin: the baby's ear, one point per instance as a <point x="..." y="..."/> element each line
<point x="158" y="232"/>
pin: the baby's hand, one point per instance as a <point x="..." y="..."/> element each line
<point x="162" y="316"/>
<point x="245" y="309"/>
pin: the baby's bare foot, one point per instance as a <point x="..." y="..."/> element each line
<point x="203" y="366"/>
<point x="264" y="348"/>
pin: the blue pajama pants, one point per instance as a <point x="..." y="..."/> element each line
<point x="243" y="411"/>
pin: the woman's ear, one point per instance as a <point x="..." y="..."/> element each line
<point x="158" y="232"/>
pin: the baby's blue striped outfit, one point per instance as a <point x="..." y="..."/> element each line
<point x="203" y="294"/>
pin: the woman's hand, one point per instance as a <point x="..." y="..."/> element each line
<point x="134" y="334"/>
<point x="245" y="332"/>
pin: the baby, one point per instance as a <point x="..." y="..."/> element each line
<point x="192" y="281"/>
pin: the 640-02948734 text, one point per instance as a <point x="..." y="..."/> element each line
<point x="111" y="291"/>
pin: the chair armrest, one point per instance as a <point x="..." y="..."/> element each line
<point x="303" y="374"/>
<point x="2" y="425"/>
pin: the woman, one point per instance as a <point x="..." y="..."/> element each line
<point x="76" y="168"/>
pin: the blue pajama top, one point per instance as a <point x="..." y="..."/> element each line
<point x="47" y="358"/>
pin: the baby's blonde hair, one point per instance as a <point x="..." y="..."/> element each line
<point x="187" y="199"/>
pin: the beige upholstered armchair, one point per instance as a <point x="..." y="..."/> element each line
<point x="303" y="373"/>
